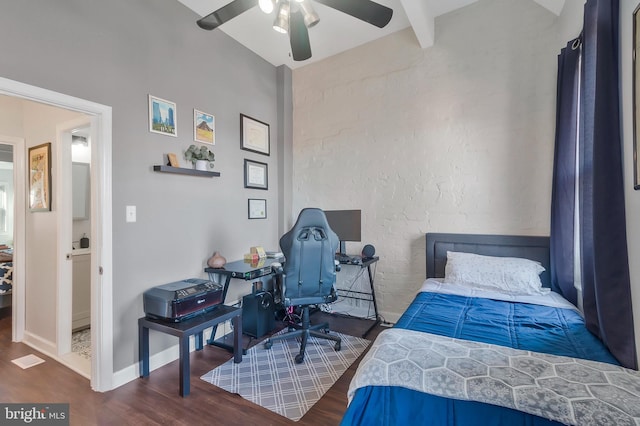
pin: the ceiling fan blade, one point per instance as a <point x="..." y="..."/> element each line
<point x="365" y="10"/>
<point x="225" y="13"/>
<point x="299" y="37"/>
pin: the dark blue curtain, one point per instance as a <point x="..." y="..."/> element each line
<point x="605" y="264"/>
<point x="564" y="172"/>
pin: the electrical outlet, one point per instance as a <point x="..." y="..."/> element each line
<point x="131" y="213"/>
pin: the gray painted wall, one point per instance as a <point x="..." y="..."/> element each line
<point x="116" y="53"/>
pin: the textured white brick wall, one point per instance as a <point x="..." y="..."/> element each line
<point x="454" y="138"/>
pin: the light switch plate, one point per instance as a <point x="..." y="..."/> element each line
<point x="131" y="213"/>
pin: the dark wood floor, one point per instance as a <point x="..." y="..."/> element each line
<point x="155" y="400"/>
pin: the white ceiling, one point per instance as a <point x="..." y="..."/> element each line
<point x="336" y="31"/>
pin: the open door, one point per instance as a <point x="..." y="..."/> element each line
<point x="74" y="265"/>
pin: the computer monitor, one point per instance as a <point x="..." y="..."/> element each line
<point x="346" y="224"/>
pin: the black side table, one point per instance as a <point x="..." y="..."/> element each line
<point x="182" y="330"/>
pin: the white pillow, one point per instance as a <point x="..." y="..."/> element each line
<point x="509" y="275"/>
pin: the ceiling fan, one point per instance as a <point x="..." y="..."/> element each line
<point x="296" y="16"/>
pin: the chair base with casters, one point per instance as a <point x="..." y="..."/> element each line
<point x="304" y="331"/>
<point x="308" y="274"/>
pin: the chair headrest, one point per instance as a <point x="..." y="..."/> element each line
<point x="311" y="217"/>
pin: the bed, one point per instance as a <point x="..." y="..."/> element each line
<point x="467" y="355"/>
<point x="6" y="276"/>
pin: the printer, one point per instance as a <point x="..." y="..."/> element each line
<point x="178" y="301"/>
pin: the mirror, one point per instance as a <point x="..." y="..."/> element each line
<point x="80" y="178"/>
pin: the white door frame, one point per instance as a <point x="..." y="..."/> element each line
<point x="19" y="203"/>
<point x="101" y="228"/>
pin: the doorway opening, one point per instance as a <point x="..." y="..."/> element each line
<point x="6" y="228"/>
<point x="102" y="376"/>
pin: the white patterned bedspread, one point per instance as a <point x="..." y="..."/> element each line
<point x="569" y="390"/>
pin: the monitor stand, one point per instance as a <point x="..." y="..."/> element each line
<point x="341" y="255"/>
<point x="343" y="248"/>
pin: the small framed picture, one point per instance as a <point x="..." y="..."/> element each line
<point x="255" y="174"/>
<point x="40" y="178"/>
<point x="204" y="127"/>
<point x="257" y="208"/>
<point x="173" y="160"/>
<point x="254" y="135"/>
<point x="162" y="116"/>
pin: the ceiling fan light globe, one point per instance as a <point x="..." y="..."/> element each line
<point x="266" y="6"/>
<point x="281" y="23"/>
<point x="280" y="29"/>
<point x="311" y="18"/>
<point x="311" y="22"/>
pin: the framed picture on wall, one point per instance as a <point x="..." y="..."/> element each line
<point x="203" y="127"/>
<point x="255" y="174"/>
<point x="254" y="135"/>
<point x="163" y="116"/>
<point x="257" y="208"/>
<point x="40" y="178"/>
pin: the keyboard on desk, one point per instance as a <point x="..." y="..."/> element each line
<point x="345" y="258"/>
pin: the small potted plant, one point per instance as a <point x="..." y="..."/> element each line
<point x="199" y="156"/>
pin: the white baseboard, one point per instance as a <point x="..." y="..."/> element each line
<point x="47" y="347"/>
<point x="81" y="319"/>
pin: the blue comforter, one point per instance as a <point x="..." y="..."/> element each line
<point x="518" y="325"/>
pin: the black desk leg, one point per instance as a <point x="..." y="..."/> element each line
<point x="237" y="339"/>
<point x="212" y="338"/>
<point x="199" y="339"/>
<point x="184" y="366"/>
<point x="375" y="305"/>
<point x="143" y="350"/>
<point x="225" y="288"/>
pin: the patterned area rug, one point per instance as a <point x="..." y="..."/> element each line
<point x="81" y="343"/>
<point x="272" y="379"/>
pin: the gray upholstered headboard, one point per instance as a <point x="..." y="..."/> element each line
<point x="534" y="248"/>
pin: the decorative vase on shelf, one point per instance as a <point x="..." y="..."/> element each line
<point x="216" y="261"/>
<point x="201" y="165"/>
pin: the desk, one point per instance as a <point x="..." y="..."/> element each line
<point x="182" y="330"/>
<point x="360" y="295"/>
<point x="242" y="270"/>
<point x="249" y="271"/>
